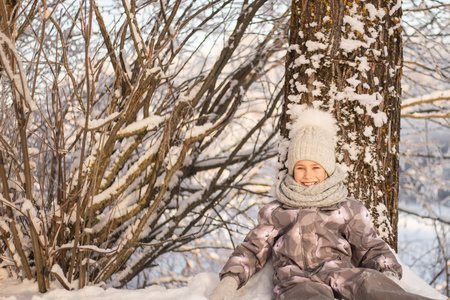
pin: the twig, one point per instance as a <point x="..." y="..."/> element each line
<point x="174" y="239"/>
<point x="424" y="217"/>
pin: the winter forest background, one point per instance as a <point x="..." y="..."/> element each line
<point x="140" y="138"/>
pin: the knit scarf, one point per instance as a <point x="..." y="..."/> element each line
<point x="325" y="193"/>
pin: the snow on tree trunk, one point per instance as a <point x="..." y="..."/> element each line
<point x="346" y="56"/>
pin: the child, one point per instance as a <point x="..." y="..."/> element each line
<point x="322" y="244"/>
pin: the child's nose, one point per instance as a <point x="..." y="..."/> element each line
<point x="307" y="173"/>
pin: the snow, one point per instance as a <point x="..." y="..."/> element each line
<point x="438" y="98"/>
<point x="295" y="48"/>
<point x="411" y="282"/>
<point x="374" y="12"/>
<point x="368" y="131"/>
<point x="196" y="131"/>
<point x="98" y="123"/>
<point x="349" y="45"/>
<point x="56" y="269"/>
<point x="396" y="7"/>
<point x="47" y="14"/>
<point x="104" y="195"/>
<point x="301" y="60"/>
<point x="313" y="46"/>
<point x="19" y="79"/>
<point x="148" y="123"/>
<point x="355" y="24"/>
<point x="259" y="287"/>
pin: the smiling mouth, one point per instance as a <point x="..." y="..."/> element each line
<point x="309" y="183"/>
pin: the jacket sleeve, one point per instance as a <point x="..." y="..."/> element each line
<point x="251" y="255"/>
<point x="368" y="249"/>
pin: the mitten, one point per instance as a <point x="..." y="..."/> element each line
<point x="225" y="290"/>
<point x="392" y="275"/>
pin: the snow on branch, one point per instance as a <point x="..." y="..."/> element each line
<point x="58" y="272"/>
<point x="434" y="105"/>
<point x="433" y="97"/>
<point x="96" y="124"/>
<point x="149" y="123"/>
<point x="135" y="32"/>
<point x="17" y="79"/>
<point x="121" y="183"/>
<point x="110" y="195"/>
<point x="92" y="248"/>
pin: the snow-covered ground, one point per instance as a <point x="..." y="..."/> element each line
<point x="258" y="288"/>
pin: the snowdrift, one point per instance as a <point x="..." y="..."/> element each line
<point x="258" y="288"/>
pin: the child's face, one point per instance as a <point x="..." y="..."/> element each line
<point x="307" y="173"/>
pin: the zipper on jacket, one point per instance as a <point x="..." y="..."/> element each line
<point x="305" y="264"/>
<point x="303" y="249"/>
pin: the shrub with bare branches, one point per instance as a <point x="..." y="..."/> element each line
<point x="123" y="127"/>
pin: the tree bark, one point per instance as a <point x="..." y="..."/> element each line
<point x="346" y="56"/>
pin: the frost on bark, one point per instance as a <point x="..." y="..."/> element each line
<point x="346" y="56"/>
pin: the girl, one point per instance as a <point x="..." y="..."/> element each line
<point x="321" y="242"/>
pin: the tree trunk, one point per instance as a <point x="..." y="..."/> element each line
<point x="346" y="56"/>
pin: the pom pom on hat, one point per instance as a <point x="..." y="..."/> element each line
<point x="313" y="137"/>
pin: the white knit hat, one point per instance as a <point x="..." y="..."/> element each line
<point x="313" y="137"/>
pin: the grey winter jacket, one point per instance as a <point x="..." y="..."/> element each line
<point x="306" y="242"/>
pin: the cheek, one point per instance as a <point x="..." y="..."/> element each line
<point x="298" y="175"/>
<point x="322" y="175"/>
